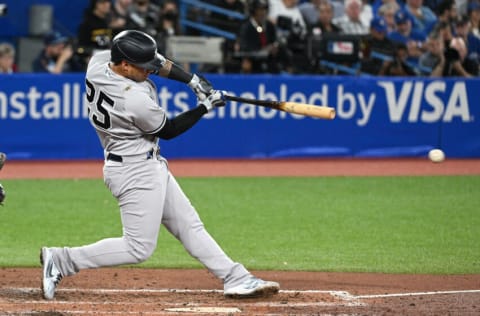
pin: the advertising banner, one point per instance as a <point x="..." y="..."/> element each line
<point x="46" y="117"/>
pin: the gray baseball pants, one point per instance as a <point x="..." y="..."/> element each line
<point x="149" y="195"/>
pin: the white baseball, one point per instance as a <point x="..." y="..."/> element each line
<point x="436" y="155"/>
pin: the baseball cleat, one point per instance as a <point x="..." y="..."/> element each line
<point x="253" y="287"/>
<point x="3" y="158"/>
<point x="51" y="275"/>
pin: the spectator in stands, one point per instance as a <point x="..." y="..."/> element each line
<point x="144" y="16"/>
<point x="469" y="67"/>
<point x="55" y="56"/>
<point x="324" y="23"/>
<point x="291" y="30"/>
<point x="472" y="58"/>
<point x="378" y="48"/>
<point x="446" y="11"/>
<point x="119" y="15"/>
<point x="474" y="16"/>
<point x="413" y="39"/>
<point x="399" y="65"/>
<point x="366" y="15"/>
<point x="286" y="15"/>
<point x="258" y="47"/>
<point x="7" y="59"/>
<point x="444" y="61"/>
<point x="168" y="25"/>
<point x="423" y="18"/>
<point x="388" y="11"/>
<point x="350" y="22"/>
<point x="94" y="31"/>
<point x="376" y="4"/>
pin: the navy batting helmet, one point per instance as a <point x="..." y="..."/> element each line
<point x="137" y="48"/>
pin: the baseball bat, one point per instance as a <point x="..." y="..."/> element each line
<point x="323" y="112"/>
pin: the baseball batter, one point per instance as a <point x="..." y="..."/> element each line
<point x="124" y="111"/>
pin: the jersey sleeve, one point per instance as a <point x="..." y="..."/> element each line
<point x="147" y="115"/>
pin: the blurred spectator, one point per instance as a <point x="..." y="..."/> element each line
<point x="413" y="39"/>
<point x="444" y="61"/>
<point x="55" y="56"/>
<point x="423" y="18"/>
<point x="366" y="14"/>
<point x="469" y="67"/>
<point x="94" y="31"/>
<point x="119" y="15"/>
<point x="350" y="22"/>
<point x="291" y="31"/>
<point x="474" y="16"/>
<point x="376" y="4"/>
<point x="445" y="31"/>
<point x="388" y="11"/>
<point x="324" y="23"/>
<point x="144" y="16"/>
<point x="258" y="48"/>
<point x="376" y="43"/>
<point x="463" y="30"/>
<point x="399" y="65"/>
<point x="311" y="9"/>
<point x="286" y="15"/>
<point x="168" y="25"/>
<point x="446" y="11"/>
<point x="7" y="59"/>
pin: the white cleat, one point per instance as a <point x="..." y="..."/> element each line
<point x="51" y="275"/>
<point x="253" y="287"/>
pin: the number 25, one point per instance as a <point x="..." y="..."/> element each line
<point x="104" y="122"/>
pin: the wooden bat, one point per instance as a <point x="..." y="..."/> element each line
<point x="323" y="112"/>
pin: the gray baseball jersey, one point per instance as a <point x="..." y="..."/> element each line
<point x="125" y="114"/>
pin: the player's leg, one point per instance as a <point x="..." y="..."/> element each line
<point x="141" y="212"/>
<point x="182" y="220"/>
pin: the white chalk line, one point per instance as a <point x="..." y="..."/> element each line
<point x="415" y="294"/>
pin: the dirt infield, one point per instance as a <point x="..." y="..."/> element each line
<point x="122" y="291"/>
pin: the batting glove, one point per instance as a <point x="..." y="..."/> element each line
<point x="215" y="100"/>
<point x="201" y="87"/>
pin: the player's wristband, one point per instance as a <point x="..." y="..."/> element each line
<point x="178" y="74"/>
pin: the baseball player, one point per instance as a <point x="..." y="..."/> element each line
<point x="124" y="111"/>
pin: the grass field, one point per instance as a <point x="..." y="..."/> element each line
<point x="363" y="224"/>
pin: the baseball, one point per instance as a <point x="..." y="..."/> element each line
<point x="436" y="155"/>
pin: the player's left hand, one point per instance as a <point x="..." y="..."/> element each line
<point x="215" y="100"/>
<point x="201" y="87"/>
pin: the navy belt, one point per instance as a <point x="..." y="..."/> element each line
<point x="118" y="158"/>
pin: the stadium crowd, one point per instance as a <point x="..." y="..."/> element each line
<point x="370" y="37"/>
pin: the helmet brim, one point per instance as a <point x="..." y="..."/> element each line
<point x="153" y="65"/>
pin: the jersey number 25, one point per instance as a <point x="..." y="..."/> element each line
<point x="100" y="117"/>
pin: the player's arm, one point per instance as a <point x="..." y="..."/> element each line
<point x="183" y="122"/>
<point x="200" y="86"/>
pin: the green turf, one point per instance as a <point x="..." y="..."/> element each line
<point x="374" y="224"/>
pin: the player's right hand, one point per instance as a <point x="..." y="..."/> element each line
<point x="215" y="100"/>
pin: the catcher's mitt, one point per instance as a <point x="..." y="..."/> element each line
<point x="2" y="194"/>
<point x="3" y="157"/>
